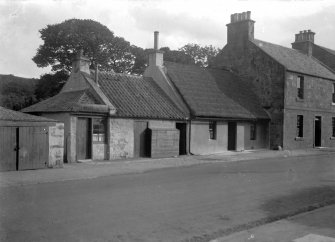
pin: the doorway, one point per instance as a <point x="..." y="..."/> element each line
<point x="317" y="131"/>
<point x="83" y="140"/>
<point x="231" y="135"/>
<point x="141" y="139"/>
<point x="182" y="138"/>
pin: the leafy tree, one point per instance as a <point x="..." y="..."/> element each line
<point x="50" y="84"/>
<point x="201" y="56"/>
<point x="16" y="96"/>
<point x="176" y="56"/>
<point x="140" y="60"/>
<point x="63" y="40"/>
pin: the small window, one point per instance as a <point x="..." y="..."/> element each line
<point x="212" y="129"/>
<point x="300" y="87"/>
<point x="253" y="131"/>
<point x="333" y="126"/>
<point x="333" y="96"/>
<point x="300" y="126"/>
<point x="99" y="130"/>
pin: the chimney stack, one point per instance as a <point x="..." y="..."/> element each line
<point x="81" y="63"/>
<point x="304" y="41"/>
<point x="156" y="55"/>
<point x="240" y="29"/>
<point x="156" y="39"/>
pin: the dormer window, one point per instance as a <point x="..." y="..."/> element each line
<point x="300" y="87"/>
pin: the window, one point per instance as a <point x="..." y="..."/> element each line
<point x="300" y="126"/>
<point x="253" y="131"/>
<point x="212" y="129"/>
<point x="99" y="130"/>
<point x="333" y="126"/>
<point x="300" y="87"/>
<point x="333" y="93"/>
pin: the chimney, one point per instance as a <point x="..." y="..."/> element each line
<point x="96" y="74"/>
<point x="81" y="63"/>
<point x="240" y="29"/>
<point x="156" y="55"/>
<point x="304" y="41"/>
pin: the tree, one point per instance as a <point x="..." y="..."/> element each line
<point x="176" y="56"/>
<point x="201" y="56"/>
<point x="63" y="40"/>
<point x="16" y="96"/>
<point x="50" y="84"/>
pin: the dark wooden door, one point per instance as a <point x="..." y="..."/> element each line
<point x="231" y="135"/>
<point x="8" y="148"/>
<point x="141" y="139"/>
<point x="182" y="138"/>
<point x="33" y="148"/>
<point x="317" y="132"/>
<point x="83" y="138"/>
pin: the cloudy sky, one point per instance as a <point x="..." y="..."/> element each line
<point x="179" y="22"/>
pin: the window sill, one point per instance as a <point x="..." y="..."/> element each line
<point x="332" y="138"/>
<point x="299" y="138"/>
<point x="299" y="99"/>
<point x="333" y="104"/>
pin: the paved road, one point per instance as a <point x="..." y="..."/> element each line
<point x="179" y="204"/>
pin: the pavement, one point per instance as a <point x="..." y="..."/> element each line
<point x="94" y="169"/>
<point x="315" y="226"/>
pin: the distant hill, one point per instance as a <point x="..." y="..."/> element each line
<point x="17" y="92"/>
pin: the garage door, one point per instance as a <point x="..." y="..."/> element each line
<point x="7" y="148"/>
<point x="34" y="147"/>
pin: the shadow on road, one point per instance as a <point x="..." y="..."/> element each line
<point x="299" y="202"/>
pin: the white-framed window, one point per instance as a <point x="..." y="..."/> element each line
<point x="300" y="87"/>
<point x="99" y="130"/>
<point x="300" y="126"/>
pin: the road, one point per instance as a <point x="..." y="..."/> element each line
<point x="195" y="203"/>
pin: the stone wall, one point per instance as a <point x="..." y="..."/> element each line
<point x="121" y="140"/>
<point x="317" y="101"/>
<point x="261" y="141"/>
<point x="200" y="142"/>
<point x="56" y="145"/>
<point x="267" y="76"/>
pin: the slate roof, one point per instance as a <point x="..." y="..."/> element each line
<point x="138" y="97"/>
<point x="294" y="60"/>
<point x="10" y="115"/>
<point x="74" y="101"/>
<point x="214" y="92"/>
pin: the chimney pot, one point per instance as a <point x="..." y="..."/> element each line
<point x="232" y="18"/>
<point x="156" y="39"/>
<point x="244" y="15"/>
<point x="248" y="15"/>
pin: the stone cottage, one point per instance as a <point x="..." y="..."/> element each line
<point x="223" y="111"/>
<point x="113" y="116"/>
<point x="295" y="88"/>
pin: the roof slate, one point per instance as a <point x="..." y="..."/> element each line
<point x="139" y="97"/>
<point x="10" y="115"/>
<point x="74" y="101"/>
<point x="294" y="60"/>
<point x="214" y="93"/>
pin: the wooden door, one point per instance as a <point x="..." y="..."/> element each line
<point x="231" y="135"/>
<point x="33" y="148"/>
<point x="317" y="131"/>
<point x="83" y="141"/>
<point x="141" y="141"/>
<point x="182" y="138"/>
<point x="8" y="148"/>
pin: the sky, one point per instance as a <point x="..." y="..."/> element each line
<point x="179" y="22"/>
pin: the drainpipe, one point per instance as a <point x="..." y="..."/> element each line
<point x="189" y="138"/>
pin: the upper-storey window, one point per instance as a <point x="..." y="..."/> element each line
<point x="333" y="92"/>
<point x="300" y="87"/>
<point x="333" y="127"/>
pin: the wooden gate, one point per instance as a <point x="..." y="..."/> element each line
<point x="34" y="148"/>
<point x="8" y="148"/>
<point x="83" y="141"/>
